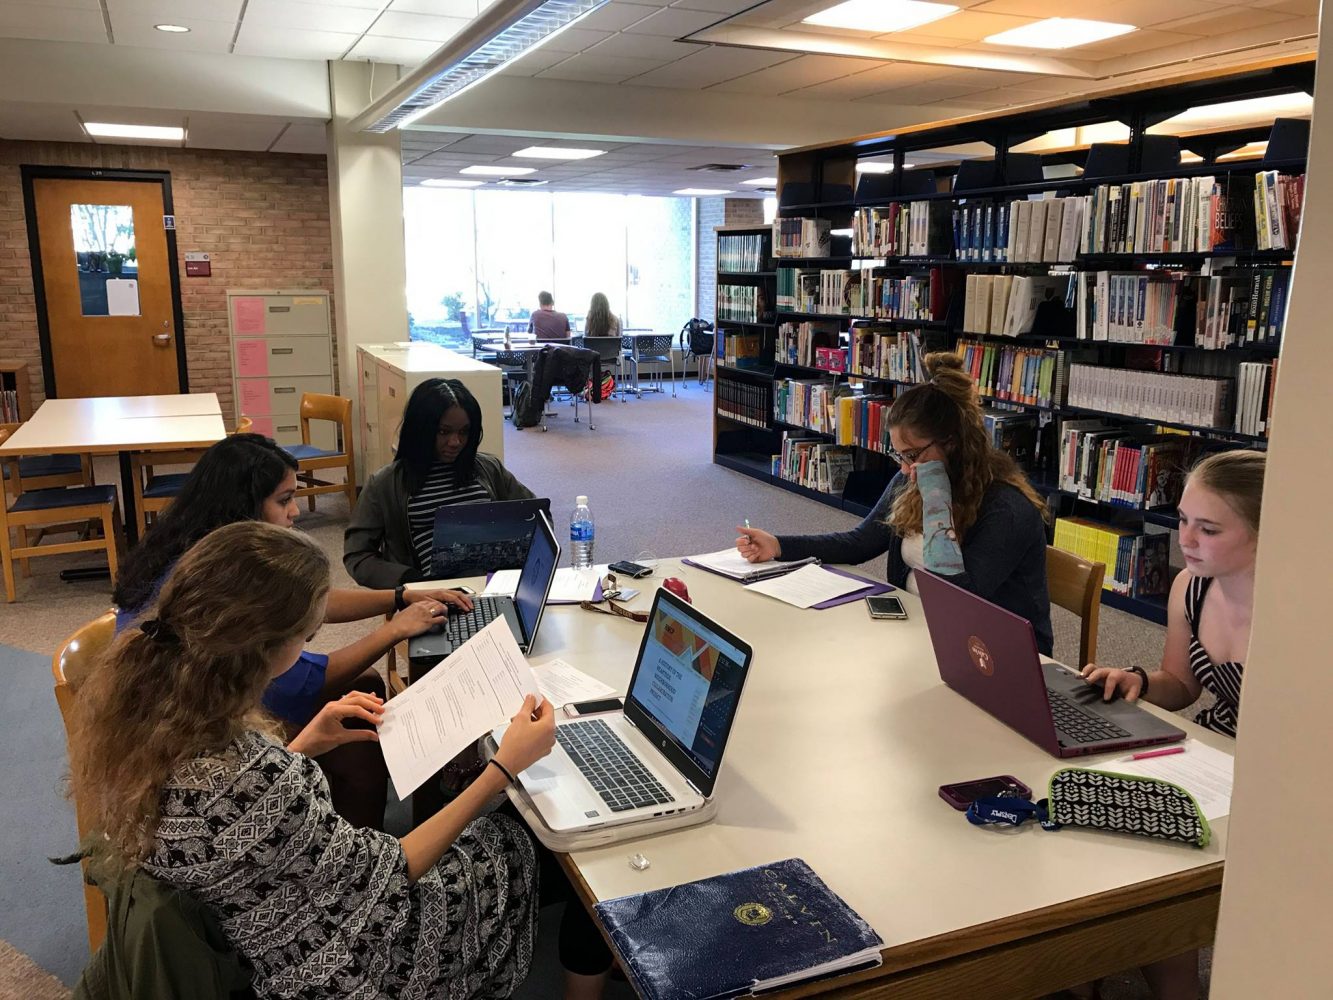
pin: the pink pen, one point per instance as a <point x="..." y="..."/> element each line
<point x="1156" y="753"/>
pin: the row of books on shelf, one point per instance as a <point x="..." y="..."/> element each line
<point x="1010" y="305"/>
<point x="828" y="291"/>
<point x="801" y="237"/>
<point x="801" y="343"/>
<point x="903" y="229"/>
<point x="1242" y="308"/>
<point x="741" y="254"/>
<point x="741" y="303"/>
<point x="745" y="402"/>
<point x="743" y="350"/>
<point x="1033" y="376"/>
<point x="1278" y="201"/>
<point x="1198" y="401"/>
<point x="1137" y="562"/>
<point x="9" y="406"/>
<point x="807" y="403"/>
<point x="896" y="355"/>
<point x="814" y="464"/>
<point x="1255" y="382"/>
<point x="1132" y="466"/>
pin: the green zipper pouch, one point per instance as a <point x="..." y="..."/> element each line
<point x="1126" y="803"/>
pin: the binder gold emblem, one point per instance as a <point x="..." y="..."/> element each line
<point x="753" y="914"/>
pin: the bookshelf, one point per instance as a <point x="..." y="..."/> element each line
<point x="1134" y="327"/>
<point x="15" y="392"/>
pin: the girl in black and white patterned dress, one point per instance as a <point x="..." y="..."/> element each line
<point x="1207" y="628"/>
<point x="195" y="787"/>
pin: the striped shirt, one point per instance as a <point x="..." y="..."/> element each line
<point x="439" y="490"/>
<point x="1222" y="679"/>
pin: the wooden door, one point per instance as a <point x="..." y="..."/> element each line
<point x="108" y="286"/>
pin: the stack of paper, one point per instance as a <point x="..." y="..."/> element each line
<point x="808" y="586"/>
<point x="1201" y="770"/>
<point x="570" y="586"/>
<point x="729" y="562"/>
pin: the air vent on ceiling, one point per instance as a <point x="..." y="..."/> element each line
<point x="722" y="168"/>
<point x="520" y="181"/>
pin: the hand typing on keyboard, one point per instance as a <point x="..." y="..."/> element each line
<point x="417" y="618"/>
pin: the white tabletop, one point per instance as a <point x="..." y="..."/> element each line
<point x="108" y="424"/>
<point x="844" y="734"/>
<point x="423" y="356"/>
<point x="96" y="408"/>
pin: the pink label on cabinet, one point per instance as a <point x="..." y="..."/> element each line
<point x="262" y="425"/>
<point x="249" y="315"/>
<point x="251" y="358"/>
<point x="255" y="398"/>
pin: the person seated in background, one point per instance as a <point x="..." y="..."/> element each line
<point x="600" y="321"/>
<point x="958" y="507"/>
<point x="194" y="787"/>
<point x="391" y="537"/>
<point x="548" y="323"/>
<point x="247" y="477"/>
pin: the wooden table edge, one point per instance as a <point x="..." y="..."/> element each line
<point x="8" y="449"/>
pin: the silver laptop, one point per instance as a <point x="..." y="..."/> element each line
<point x="662" y="754"/>
<point x="523" y="611"/>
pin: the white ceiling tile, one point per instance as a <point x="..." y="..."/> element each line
<point x="309" y="16"/>
<point x="440" y="8"/>
<point x="592" y="62"/>
<point x="219" y="131"/>
<point x="534" y="62"/>
<point x="40" y="122"/>
<point x="615" y="16"/>
<point x="402" y="51"/>
<point x="575" y="40"/>
<point x="938" y="41"/>
<point x="674" y="23"/>
<point x="922" y="94"/>
<point x="52" y="22"/>
<point x="875" y="81"/>
<point x="498" y="145"/>
<point x="175" y="11"/>
<point x="968" y="25"/>
<point x="422" y="27"/>
<point x="1223" y="20"/>
<point x="570" y="70"/>
<point x="805" y="71"/>
<point x="711" y="65"/>
<point x="1304" y="8"/>
<point x="301" y="138"/>
<point x="716" y="6"/>
<point x="1147" y="13"/>
<point x="643" y="47"/>
<point x="203" y="36"/>
<point x="1135" y="41"/>
<point x="1038" y="9"/>
<point x="260" y="40"/>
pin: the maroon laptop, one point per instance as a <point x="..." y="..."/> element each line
<point x="989" y="656"/>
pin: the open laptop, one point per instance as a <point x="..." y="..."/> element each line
<point x="989" y="656"/>
<point x="523" y="611"/>
<point x="661" y="755"/>
<point x="471" y="539"/>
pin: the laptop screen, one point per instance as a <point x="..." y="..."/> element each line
<point x="472" y="539"/>
<point x="688" y="682"/>
<point x="535" y="580"/>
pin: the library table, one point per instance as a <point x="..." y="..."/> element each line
<point x="844" y="734"/>
<point x="119" y="425"/>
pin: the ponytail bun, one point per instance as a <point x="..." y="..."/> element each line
<point x="943" y="361"/>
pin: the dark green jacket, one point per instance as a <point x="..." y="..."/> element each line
<point x="161" y="944"/>
<point x="377" y="545"/>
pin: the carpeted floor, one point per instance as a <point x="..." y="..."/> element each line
<point x="654" y="492"/>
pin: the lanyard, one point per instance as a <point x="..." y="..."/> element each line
<point x="1011" y="810"/>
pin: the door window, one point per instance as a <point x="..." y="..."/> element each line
<point x="108" y="267"/>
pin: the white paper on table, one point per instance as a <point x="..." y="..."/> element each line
<point x="565" y="684"/>
<point x="729" y="562"/>
<point x="569" y="586"/>
<point x="1204" y="772"/>
<point x="480" y="686"/>
<point x="807" y="586"/>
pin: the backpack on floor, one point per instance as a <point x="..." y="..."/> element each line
<point x="608" y="385"/>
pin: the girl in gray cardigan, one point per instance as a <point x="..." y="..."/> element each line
<point x="390" y="540"/>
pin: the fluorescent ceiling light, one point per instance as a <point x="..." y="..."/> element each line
<point x="1255" y="110"/>
<point x="702" y="192"/>
<point x="555" y="153"/>
<point x="498" y="171"/>
<point x="762" y="181"/>
<point x="1059" y="33"/>
<point x="107" y="130"/>
<point x="505" y="31"/>
<point x="881" y="16"/>
<point x="449" y="182"/>
<point x="874" y="167"/>
<point x="173" y="28"/>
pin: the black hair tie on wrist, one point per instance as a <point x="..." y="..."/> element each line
<point x="503" y="770"/>
<point x="159" y="631"/>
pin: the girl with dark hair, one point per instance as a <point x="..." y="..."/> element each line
<point x="958" y="506"/>
<point x="246" y="477"/>
<point x="391" y="538"/>
<point x="194" y="787"/>
<point x="600" y="321"/>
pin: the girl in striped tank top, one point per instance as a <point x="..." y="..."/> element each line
<point x="1207" y="629"/>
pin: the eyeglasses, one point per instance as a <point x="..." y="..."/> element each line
<point x="909" y="456"/>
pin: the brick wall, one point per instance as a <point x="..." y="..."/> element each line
<point x="710" y="215"/>
<point x="262" y="217"/>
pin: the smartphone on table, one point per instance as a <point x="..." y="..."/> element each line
<point x="631" y="569"/>
<point x="884" y="606"/>
<point x="964" y="793"/>
<point x="594" y="707"/>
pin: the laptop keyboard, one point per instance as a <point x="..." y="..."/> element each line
<point x="1078" y="725"/>
<point x="463" y="625"/>
<point x="616" y="774"/>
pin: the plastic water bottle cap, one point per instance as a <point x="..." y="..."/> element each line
<point x="580" y="501"/>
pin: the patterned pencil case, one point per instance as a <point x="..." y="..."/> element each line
<point x="1103" y="800"/>
<point x="1126" y="803"/>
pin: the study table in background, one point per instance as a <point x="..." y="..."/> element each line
<point x="844" y="734"/>
<point x="119" y="425"/>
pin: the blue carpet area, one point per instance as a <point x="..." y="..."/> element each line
<point x="41" y="905"/>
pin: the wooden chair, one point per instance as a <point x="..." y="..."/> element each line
<point x="67" y="508"/>
<point x="319" y="406"/>
<point x="1076" y="585"/>
<point x="70" y="666"/>
<point x="153" y="492"/>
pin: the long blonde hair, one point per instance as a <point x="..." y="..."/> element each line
<point x="946" y="410"/>
<point x="189" y="680"/>
<point x="1238" y="478"/>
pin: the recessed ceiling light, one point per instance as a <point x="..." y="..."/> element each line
<point x="874" y="167"/>
<point x="1059" y="33"/>
<point x="176" y="29"/>
<point x="762" y="181"/>
<point x="110" y="131"/>
<point x="881" y="16"/>
<point x="498" y="171"/>
<point x="555" y="153"/>
<point x="449" y="182"/>
<point x="702" y="192"/>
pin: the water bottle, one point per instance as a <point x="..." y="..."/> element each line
<point x="581" y="535"/>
